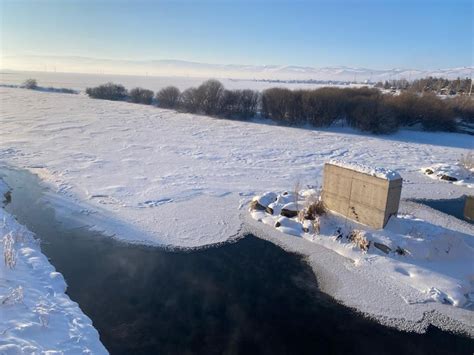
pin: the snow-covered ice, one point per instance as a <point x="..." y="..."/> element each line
<point x="36" y="316"/>
<point x="153" y="176"/>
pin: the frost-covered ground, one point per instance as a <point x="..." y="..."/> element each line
<point x="158" y="177"/>
<point x="36" y="316"/>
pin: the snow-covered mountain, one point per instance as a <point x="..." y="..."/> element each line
<point x="193" y="69"/>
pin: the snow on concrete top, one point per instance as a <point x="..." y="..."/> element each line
<point x="382" y="173"/>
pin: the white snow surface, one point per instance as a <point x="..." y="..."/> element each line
<point x="36" y="316"/>
<point x="153" y="176"/>
<point x="379" y="172"/>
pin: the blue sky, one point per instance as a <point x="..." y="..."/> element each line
<point x="367" y="33"/>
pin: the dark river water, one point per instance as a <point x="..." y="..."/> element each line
<point x="249" y="297"/>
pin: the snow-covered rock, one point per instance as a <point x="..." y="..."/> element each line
<point x="455" y="173"/>
<point x="289" y="226"/>
<point x="290" y="209"/>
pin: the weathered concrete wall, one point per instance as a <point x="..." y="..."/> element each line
<point x="360" y="197"/>
<point x="469" y="208"/>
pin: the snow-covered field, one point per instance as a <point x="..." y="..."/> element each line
<point x="36" y="316"/>
<point x="82" y="81"/>
<point x="168" y="178"/>
<point x="154" y="176"/>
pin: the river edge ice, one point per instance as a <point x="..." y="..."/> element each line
<point x="156" y="177"/>
<point x="36" y="315"/>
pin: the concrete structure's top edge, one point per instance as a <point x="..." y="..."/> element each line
<point x="381" y="173"/>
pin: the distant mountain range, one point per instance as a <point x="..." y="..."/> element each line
<point x="233" y="71"/>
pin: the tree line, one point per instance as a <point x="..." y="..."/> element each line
<point x="439" y="86"/>
<point x="366" y="109"/>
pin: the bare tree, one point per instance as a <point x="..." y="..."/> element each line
<point x="109" y="91"/>
<point x="31" y="84"/>
<point x="210" y="93"/>
<point x="141" y="96"/>
<point x="168" y="97"/>
<point x="189" y="100"/>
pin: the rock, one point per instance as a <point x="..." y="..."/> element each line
<point x="8" y="197"/>
<point x="289" y="226"/>
<point x="401" y="251"/>
<point x="267" y="198"/>
<point x="283" y="199"/>
<point x="255" y="206"/>
<point x="382" y="247"/>
<point x="290" y="210"/>
<point x="448" y="178"/>
<point x="288" y="213"/>
<point x="261" y="203"/>
<point x="429" y="171"/>
<point x="275" y="207"/>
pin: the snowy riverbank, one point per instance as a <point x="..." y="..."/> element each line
<point x="365" y="283"/>
<point x="435" y="260"/>
<point x="36" y="315"/>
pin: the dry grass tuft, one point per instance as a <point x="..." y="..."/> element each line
<point x="14" y="296"/>
<point x="467" y="161"/>
<point x="296" y="192"/>
<point x="313" y="207"/>
<point x="359" y="238"/>
<point x="9" y="254"/>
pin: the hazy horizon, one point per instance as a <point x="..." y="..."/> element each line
<point x="180" y="68"/>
